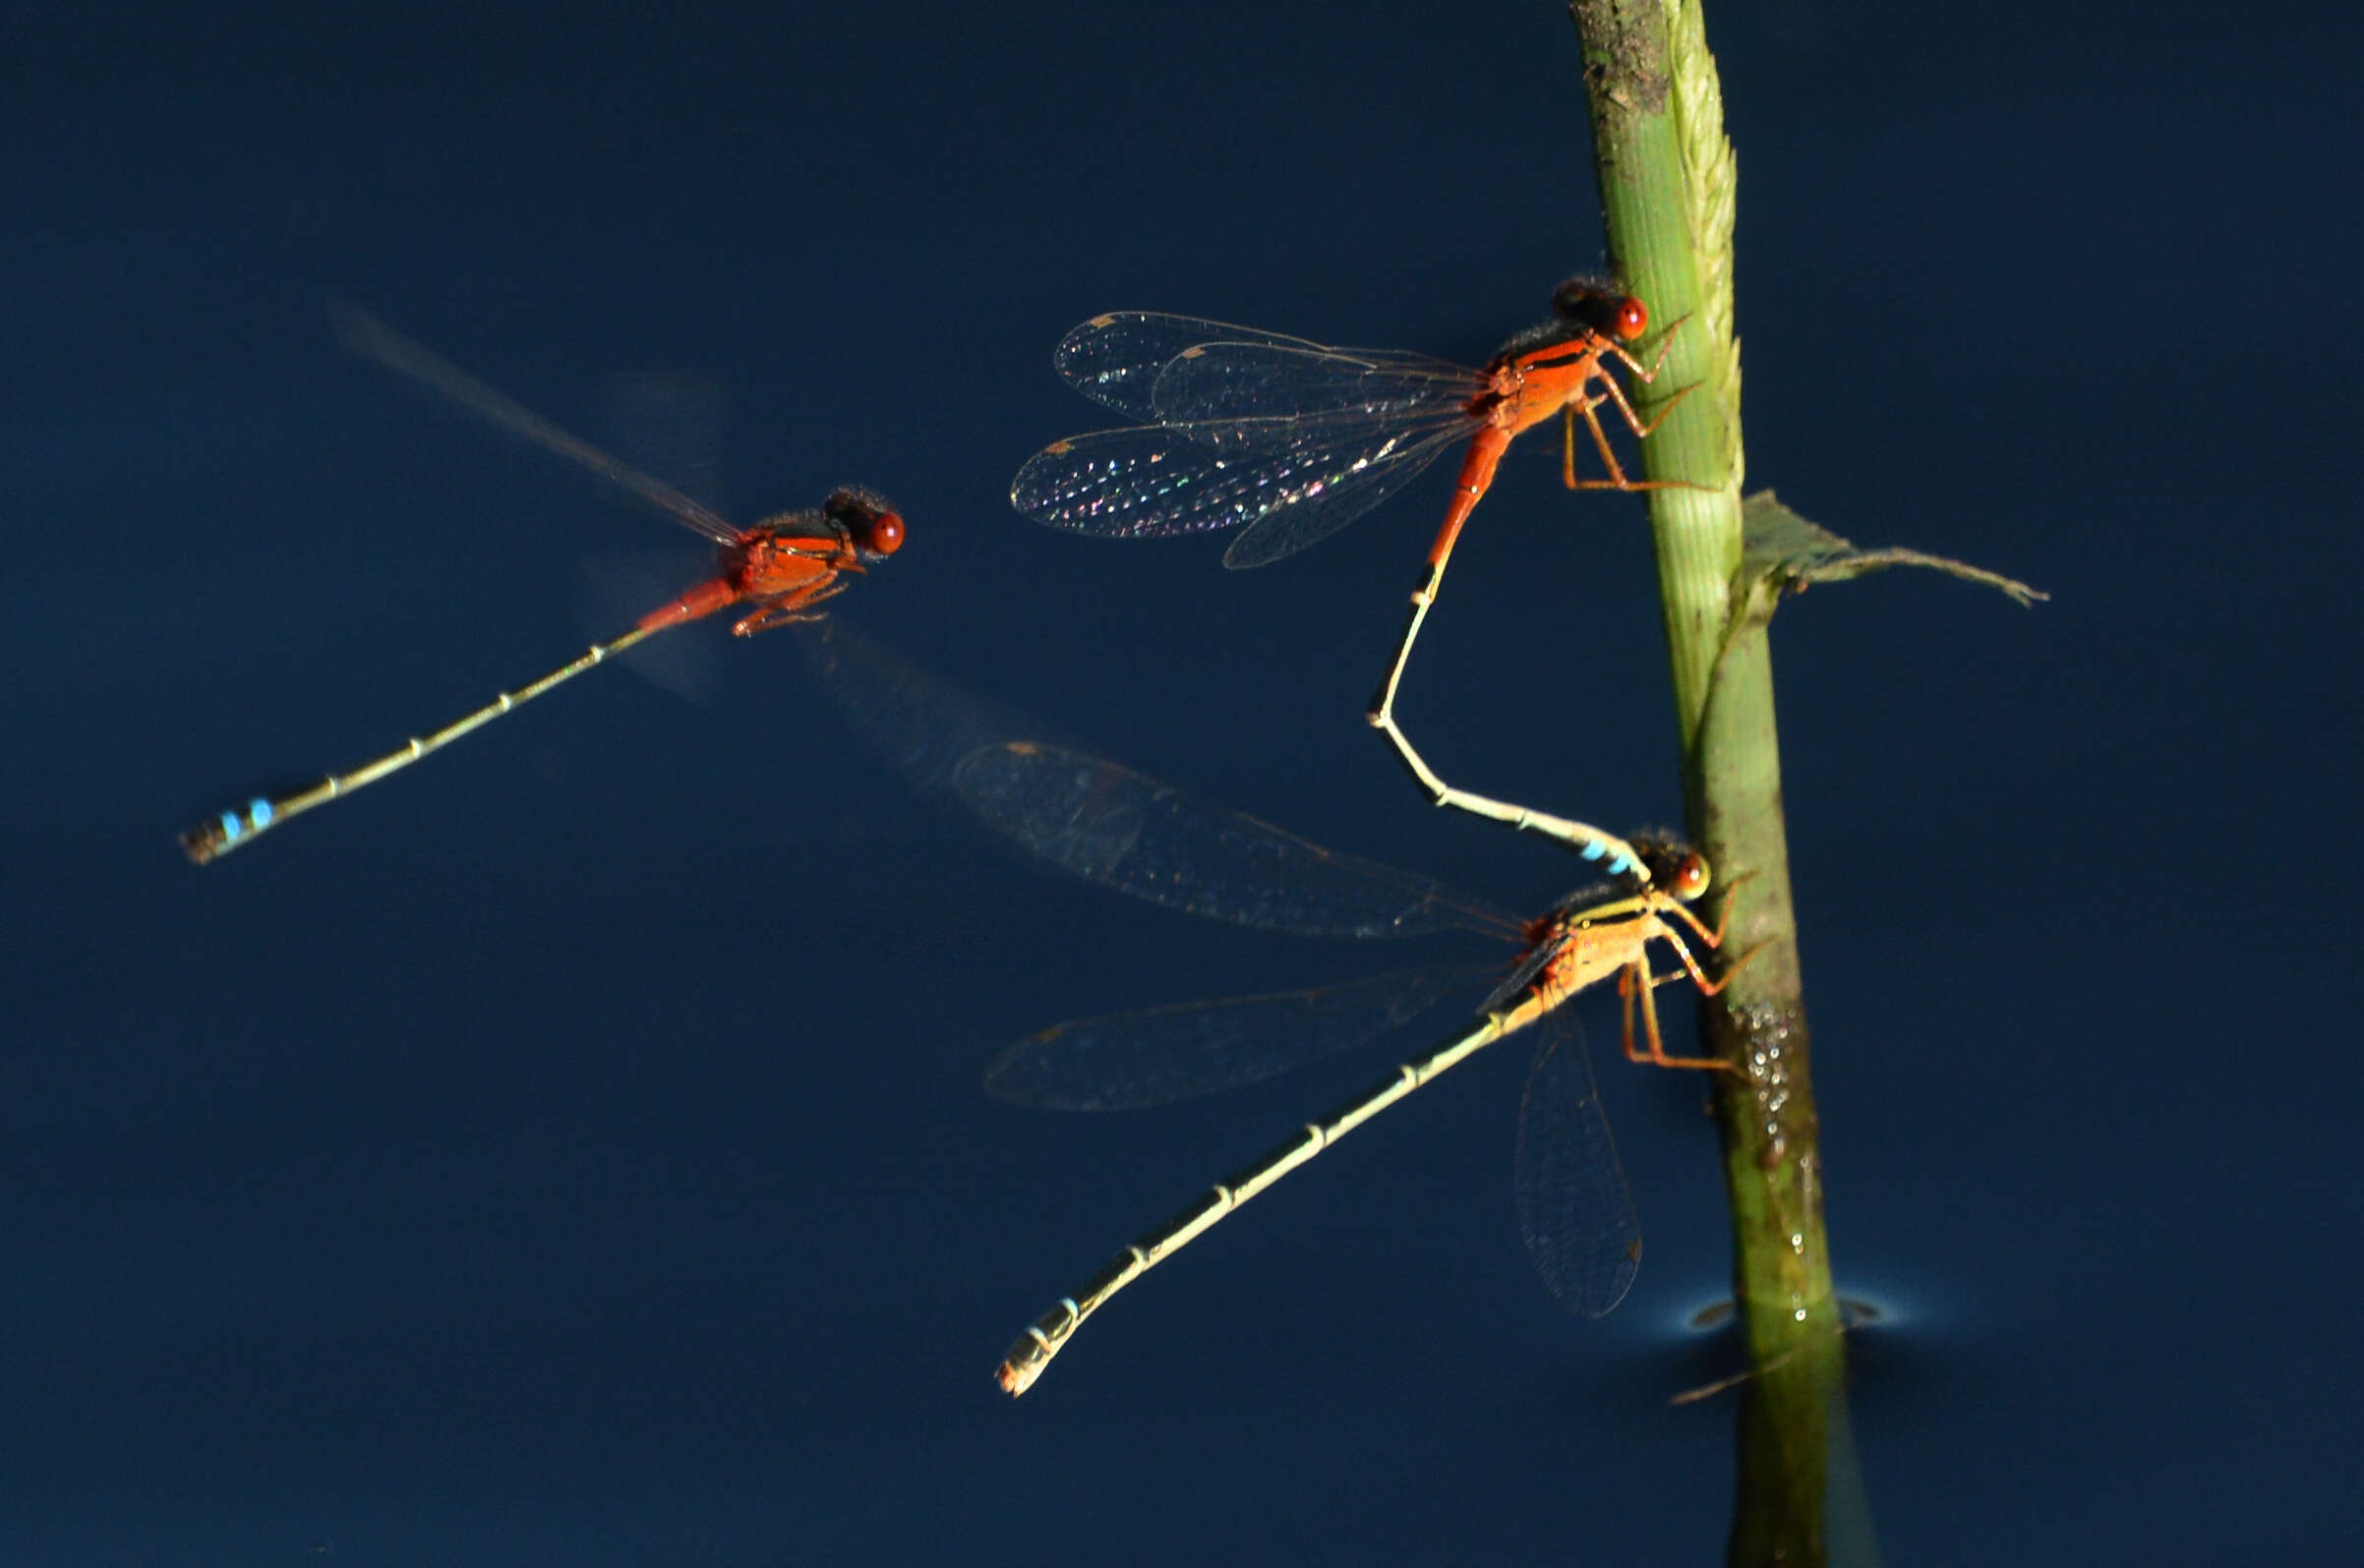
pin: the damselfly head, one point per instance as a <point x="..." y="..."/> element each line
<point x="868" y="517"/>
<point x="1600" y="307"/>
<point x="1673" y="865"/>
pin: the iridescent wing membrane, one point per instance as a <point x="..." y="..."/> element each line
<point x="1290" y="438"/>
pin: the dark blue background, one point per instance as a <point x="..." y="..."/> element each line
<point x="571" y="1152"/>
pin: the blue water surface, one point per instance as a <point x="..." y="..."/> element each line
<point x="571" y="1152"/>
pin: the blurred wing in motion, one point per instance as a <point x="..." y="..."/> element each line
<point x="1107" y="824"/>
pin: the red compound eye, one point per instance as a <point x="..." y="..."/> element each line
<point x="1633" y="318"/>
<point x="1690" y="878"/>
<point x="886" y="533"/>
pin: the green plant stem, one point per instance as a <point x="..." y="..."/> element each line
<point x="1666" y="189"/>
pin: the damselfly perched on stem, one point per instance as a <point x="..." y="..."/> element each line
<point x="1293" y="440"/>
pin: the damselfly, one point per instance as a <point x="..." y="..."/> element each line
<point x="1294" y="440"/>
<point x="1118" y="827"/>
<point x="782" y="568"/>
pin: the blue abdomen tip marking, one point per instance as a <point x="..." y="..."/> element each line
<point x="261" y="814"/>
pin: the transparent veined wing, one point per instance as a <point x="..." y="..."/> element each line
<point x="1155" y="1056"/>
<point x="1115" y="359"/>
<point x="1283" y="424"/>
<point x="920" y="725"/>
<point x="1576" y="1212"/>
<point x="1156" y="480"/>
<point x="1377" y="473"/>
<point x="1107" y="824"/>
<point x="1261" y="385"/>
